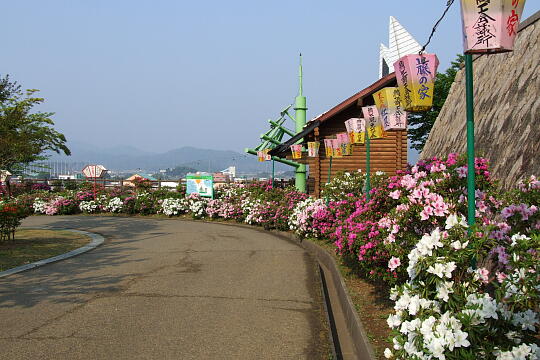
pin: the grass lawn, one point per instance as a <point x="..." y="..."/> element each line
<point x="34" y="245"/>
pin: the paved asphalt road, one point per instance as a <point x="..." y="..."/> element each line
<point x="166" y="289"/>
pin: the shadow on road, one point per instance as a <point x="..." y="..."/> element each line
<point x="89" y="274"/>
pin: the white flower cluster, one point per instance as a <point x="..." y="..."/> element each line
<point x="90" y="207"/>
<point x="481" y="307"/>
<point x="342" y="185"/>
<point x="114" y="205"/>
<point x="198" y="208"/>
<point x="425" y="248"/>
<point x="302" y="213"/>
<point x="526" y="320"/>
<point x="255" y="211"/>
<point x="249" y="207"/>
<point x="428" y="325"/>
<point x="521" y="352"/>
<point x="438" y="335"/>
<point x="172" y="207"/>
<point x="39" y="206"/>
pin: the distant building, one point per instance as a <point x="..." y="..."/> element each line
<point x="231" y="171"/>
<point x="143" y="176"/>
<point x="400" y="43"/>
<point x="67" y="176"/>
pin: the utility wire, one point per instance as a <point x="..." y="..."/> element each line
<point x="448" y="5"/>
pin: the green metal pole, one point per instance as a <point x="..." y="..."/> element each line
<point x="471" y="206"/>
<point x="329" y="175"/>
<point x="283" y="128"/>
<point x="301" y="109"/>
<point x="273" y="172"/>
<point x="330" y="170"/>
<point x="368" y="165"/>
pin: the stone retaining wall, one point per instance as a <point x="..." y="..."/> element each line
<point x="507" y="110"/>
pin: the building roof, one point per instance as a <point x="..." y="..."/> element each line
<point x="144" y="176"/>
<point x="386" y="81"/>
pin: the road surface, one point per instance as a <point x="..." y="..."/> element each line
<point x="166" y="289"/>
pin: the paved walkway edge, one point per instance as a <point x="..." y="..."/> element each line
<point x="358" y="334"/>
<point x="96" y="241"/>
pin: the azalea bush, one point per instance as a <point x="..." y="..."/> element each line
<point x="11" y="215"/>
<point x="461" y="293"/>
<point x="449" y="308"/>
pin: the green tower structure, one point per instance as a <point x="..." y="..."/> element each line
<point x="300" y="108"/>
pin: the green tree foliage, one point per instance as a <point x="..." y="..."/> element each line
<point x="7" y="88"/>
<point x="25" y="136"/>
<point x="420" y="124"/>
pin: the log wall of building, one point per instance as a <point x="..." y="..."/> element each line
<point x="388" y="154"/>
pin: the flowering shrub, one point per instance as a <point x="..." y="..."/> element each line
<point x="145" y="204"/>
<point x="89" y="207"/>
<point x="448" y="310"/>
<point x="196" y="205"/>
<point x="142" y="184"/>
<point x="172" y="207"/>
<point x="343" y="184"/>
<point x="310" y="218"/>
<point x="114" y="205"/>
<point x="41" y="186"/>
<point x="39" y="206"/>
<point x="59" y="205"/>
<point x="11" y="215"/>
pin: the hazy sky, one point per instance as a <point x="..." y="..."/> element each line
<point x="169" y="73"/>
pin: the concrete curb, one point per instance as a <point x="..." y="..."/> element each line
<point x="96" y="241"/>
<point x="362" y="345"/>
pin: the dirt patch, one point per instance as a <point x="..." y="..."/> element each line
<point x="34" y="245"/>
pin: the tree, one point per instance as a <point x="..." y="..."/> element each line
<point x="7" y="88"/>
<point x="25" y="136"/>
<point x="420" y="124"/>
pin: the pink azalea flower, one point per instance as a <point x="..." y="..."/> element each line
<point x="426" y="213"/>
<point x="501" y="276"/>
<point x="394" y="263"/>
<point x="483" y="273"/>
<point x="462" y="171"/>
<point x="395" y="194"/>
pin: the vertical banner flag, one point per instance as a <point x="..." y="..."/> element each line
<point x="329" y="150"/>
<point x="490" y="26"/>
<point x="296" y="151"/>
<point x="416" y="79"/>
<point x="313" y="148"/>
<point x="267" y="156"/>
<point x="388" y="102"/>
<point x="358" y="130"/>
<point x="336" y="146"/>
<point x="345" y="144"/>
<point x="373" y="122"/>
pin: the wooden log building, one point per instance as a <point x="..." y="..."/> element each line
<point x="388" y="154"/>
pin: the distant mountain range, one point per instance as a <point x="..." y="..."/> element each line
<point x="129" y="158"/>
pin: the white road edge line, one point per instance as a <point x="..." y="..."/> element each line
<point x="96" y="241"/>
